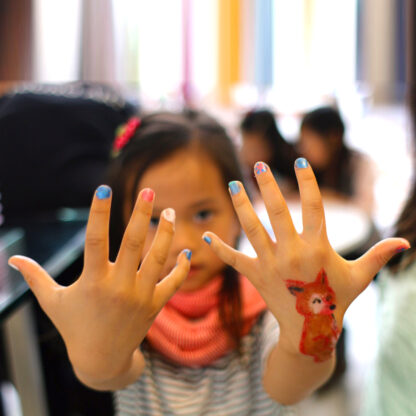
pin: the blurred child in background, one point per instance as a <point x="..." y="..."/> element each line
<point x="342" y="173"/>
<point x="262" y="140"/>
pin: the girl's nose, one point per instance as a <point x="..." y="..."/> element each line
<point x="185" y="237"/>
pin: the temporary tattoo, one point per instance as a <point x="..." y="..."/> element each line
<point x="316" y="302"/>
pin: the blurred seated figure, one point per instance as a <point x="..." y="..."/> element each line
<point x="262" y="141"/>
<point x="342" y="173"/>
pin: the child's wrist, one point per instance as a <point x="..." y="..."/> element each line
<point x="290" y="342"/>
<point x="101" y="376"/>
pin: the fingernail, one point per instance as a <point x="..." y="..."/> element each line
<point x="13" y="266"/>
<point x="207" y="239"/>
<point x="103" y="192"/>
<point x="260" y="167"/>
<point x="301" y="163"/>
<point x="169" y="215"/>
<point x="234" y="187"/>
<point x="188" y="253"/>
<point x="148" y="195"/>
<point x="401" y="249"/>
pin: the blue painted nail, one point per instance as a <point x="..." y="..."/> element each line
<point x="103" y="192"/>
<point x="260" y="167"/>
<point x="207" y="239"/>
<point x="234" y="187"/>
<point x="188" y="253"/>
<point x="301" y="163"/>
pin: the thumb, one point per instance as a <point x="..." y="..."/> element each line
<point x="38" y="280"/>
<point x="377" y="256"/>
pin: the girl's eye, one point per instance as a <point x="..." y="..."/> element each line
<point x="203" y="215"/>
<point x="316" y="300"/>
<point x="154" y="222"/>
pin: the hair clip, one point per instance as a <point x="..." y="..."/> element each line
<point x="126" y="133"/>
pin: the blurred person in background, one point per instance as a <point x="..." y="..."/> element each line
<point x="342" y="173"/>
<point x="262" y="140"/>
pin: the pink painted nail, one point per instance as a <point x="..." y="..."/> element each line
<point x="260" y="167"/>
<point x="148" y="194"/>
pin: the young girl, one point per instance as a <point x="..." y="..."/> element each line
<point x="179" y="321"/>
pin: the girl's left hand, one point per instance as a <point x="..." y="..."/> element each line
<point x="284" y="267"/>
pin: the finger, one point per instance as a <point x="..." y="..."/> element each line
<point x="313" y="216"/>
<point x="229" y="255"/>
<point x="256" y="233"/>
<point x="276" y="207"/>
<point x="166" y="288"/>
<point x="369" y="264"/>
<point x="96" y="238"/>
<point x="38" y="280"/>
<point x="154" y="261"/>
<point x="129" y="256"/>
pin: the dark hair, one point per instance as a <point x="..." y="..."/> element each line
<point x="263" y="122"/>
<point x="328" y="124"/>
<point x="159" y="136"/>
<point x="325" y="121"/>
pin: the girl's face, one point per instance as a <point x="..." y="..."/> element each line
<point x="314" y="148"/>
<point x="191" y="184"/>
<point x="254" y="148"/>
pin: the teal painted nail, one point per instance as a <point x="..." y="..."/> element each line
<point x="234" y="187"/>
<point x="103" y="192"/>
<point x="301" y="163"/>
<point x="207" y="239"/>
<point x="188" y="253"/>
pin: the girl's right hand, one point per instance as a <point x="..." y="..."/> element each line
<point x="105" y="315"/>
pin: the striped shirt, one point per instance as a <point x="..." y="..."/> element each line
<point x="230" y="386"/>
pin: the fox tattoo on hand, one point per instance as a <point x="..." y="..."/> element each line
<point x="316" y="302"/>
